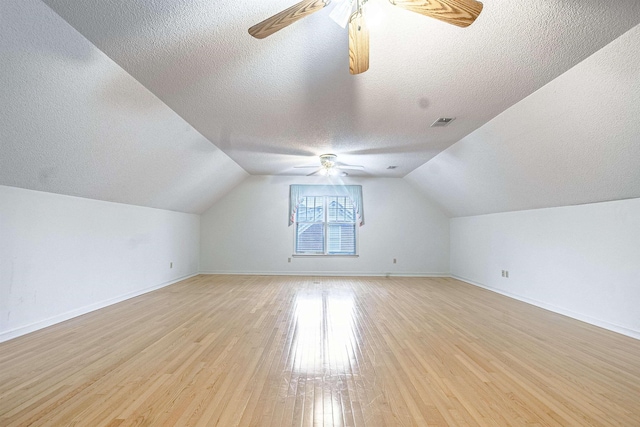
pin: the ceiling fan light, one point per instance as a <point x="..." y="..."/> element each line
<point x="341" y="13"/>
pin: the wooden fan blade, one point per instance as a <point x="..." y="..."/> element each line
<point x="358" y="44"/>
<point x="457" y="12"/>
<point x="286" y="17"/>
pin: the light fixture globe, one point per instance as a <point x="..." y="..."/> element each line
<point x="328" y="161"/>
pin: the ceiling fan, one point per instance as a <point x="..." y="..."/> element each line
<point x="461" y="13"/>
<point x="329" y="166"/>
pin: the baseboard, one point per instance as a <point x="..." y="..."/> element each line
<point x="32" y="327"/>
<point x="324" y="273"/>
<point x="578" y="316"/>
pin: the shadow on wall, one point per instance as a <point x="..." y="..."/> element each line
<point x="14" y="13"/>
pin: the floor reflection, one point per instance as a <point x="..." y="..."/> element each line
<point x="325" y="338"/>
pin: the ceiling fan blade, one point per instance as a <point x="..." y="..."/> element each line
<point x="457" y="12"/>
<point x="286" y="17"/>
<point x="314" y="172"/>
<point x="343" y="166"/>
<point x="358" y="44"/>
<point x="305" y="166"/>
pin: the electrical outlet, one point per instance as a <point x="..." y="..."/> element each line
<point x="506" y="274"/>
<point x="288" y="259"/>
<point x="395" y="261"/>
<point x="170" y="265"/>
<point x="502" y="273"/>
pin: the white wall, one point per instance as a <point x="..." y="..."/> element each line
<point x="247" y="231"/>
<point x="63" y="256"/>
<point x="582" y="261"/>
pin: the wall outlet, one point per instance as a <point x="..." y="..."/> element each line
<point x="502" y="273"/>
<point x="395" y="261"/>
<point x="506" y="274"/>
<point x="170" y="265"/>
<point x="288" y="259"/>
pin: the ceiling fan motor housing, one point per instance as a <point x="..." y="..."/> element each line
<point x="328" y="160"/>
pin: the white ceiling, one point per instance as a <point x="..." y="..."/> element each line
<point x="574" y="141"/>
<point x="73" y="122"/>
<point x="269" y="104"/>
<point x="177" y="102"/>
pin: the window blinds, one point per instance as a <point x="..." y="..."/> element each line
<point x="298" y="192"/>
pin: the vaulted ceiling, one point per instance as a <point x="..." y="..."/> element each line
<point x="73" y="122"/>
<point x="170" y="103"/>
<point x="574" y="141"/>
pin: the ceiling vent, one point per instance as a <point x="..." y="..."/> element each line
<point x="442" y="122"/>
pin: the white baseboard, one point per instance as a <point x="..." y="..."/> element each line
<point x="578" y="316"/>
<point x="325" y="273"/>
<point x="23" y="330"/>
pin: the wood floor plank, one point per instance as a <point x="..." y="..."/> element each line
<point x="320" y="351"/>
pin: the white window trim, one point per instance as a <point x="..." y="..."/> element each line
<point x="323" y="256"/>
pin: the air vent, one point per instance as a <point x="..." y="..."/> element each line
<point x="442" y="121"/>
<point x="391" y="167"/>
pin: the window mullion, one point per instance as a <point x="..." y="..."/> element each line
<point x="326" y="225"/>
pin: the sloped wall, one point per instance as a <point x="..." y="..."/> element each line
<point x="63" y="256"/>
<point x="574" y="141"/>
<point x="582" y="261"/>
<point x="247" y="232"/>
<point x="74" y="122"/>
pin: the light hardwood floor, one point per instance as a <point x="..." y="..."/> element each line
<point x="281" y="351"/>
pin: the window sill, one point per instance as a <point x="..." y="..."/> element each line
<point x="323" y="256"/>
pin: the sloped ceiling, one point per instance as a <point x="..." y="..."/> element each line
<point x="275" y="103"/>
<point x="574" y="141"/>
<point x="73" y="122"/>
<point x="177" y="99"/>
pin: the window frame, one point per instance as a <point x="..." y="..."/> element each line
<point x="325" y="226"/>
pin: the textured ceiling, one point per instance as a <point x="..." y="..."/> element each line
<point x="574" y="141"/>
<point x="177" y="99"/>
<point x="269" y="104"/>
<point x="73" y="122"/>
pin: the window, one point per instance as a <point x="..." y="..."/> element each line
<point x="325" y="225"/>
<point x="326" y="218"/>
